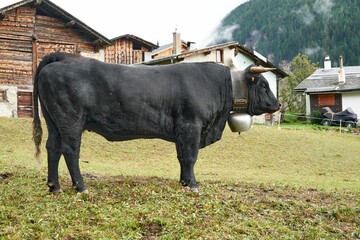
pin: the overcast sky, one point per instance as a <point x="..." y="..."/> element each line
<point x="152" y="20"/>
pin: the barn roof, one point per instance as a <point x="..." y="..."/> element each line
<point x="46" y="7"/>
<point x="326" y="80"/>
<point x="134" y="38"/>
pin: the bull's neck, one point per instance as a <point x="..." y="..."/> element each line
<point x="239" y="91"/>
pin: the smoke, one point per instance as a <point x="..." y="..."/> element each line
<point x="254" y="39"/>
<point x="271" y="57"/>
<point x="312" y="51"/>
<point x="323" y="7"/>
<point x="305" y="14"/>
<point x="281" y="30"/>
<point x="222" y="34"/>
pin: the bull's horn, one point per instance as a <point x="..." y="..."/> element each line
<point x="260" y="69"/>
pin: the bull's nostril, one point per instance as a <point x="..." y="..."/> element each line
<point x="279" y="104"/>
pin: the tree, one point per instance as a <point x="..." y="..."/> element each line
<point x="301" y="67"/>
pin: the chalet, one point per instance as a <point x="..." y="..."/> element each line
<point x="31" y="29"/>
<point x="337" y="88"/>
<point x="231" y="54"/>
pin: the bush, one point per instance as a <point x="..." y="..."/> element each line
<point x="316" y="117"/>
<point x="291" y="117"/>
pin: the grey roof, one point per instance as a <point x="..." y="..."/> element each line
<point x="326" y="80"/>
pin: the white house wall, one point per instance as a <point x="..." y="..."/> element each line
<point x="308" y="107"/>
<point x="8" y="108"/>
<point x="351" y="100"/>
<point x="201" y="57"/>
<point x="228" y="54"/>
<point x="243" y="61"/>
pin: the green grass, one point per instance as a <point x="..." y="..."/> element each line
<point x="267" y="183"/>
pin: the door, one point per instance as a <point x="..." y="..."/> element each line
<point x="25" y="104"/>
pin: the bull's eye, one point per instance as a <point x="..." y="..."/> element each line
<point x="265" y="87"/>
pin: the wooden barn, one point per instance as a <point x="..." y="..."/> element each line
<point x="128" y="49"/>
<point x="31" y="29"/>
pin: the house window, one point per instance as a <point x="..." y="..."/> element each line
<point x="326" y="100"/>
<point x="220" y="55"/>
<point x="3" y="96"/>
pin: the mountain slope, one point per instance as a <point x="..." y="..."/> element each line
<point x="280" y="29"/>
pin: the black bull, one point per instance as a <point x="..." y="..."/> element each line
<point x="187" y="104"/>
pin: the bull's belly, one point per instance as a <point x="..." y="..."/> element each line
<point x="130" y="130"/>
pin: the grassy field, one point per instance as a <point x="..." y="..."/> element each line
<point x="268" y="183"/>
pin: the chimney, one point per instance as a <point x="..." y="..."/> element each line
<point x="327" y="63"/>
<point x="176" y="43"/>
<point x="190" y="46"/>
<point x="341" y="75"/>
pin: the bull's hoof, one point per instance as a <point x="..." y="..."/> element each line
<point x="188" y="189"/>
<point x="188" y="183"/>
<point x="86" y="192"/>
<point x="79" y="187"/>
<point x="54" y="188"/>
<point x="56" y="191"/>
<point x="195" y="190"/>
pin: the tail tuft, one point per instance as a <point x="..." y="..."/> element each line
<point x="37" y="137"/>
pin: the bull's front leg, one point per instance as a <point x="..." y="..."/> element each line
<point x="187" y="146"/>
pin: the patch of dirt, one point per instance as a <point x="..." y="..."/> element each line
<point x="6" y="175"/>
<point x="152" y="230"/>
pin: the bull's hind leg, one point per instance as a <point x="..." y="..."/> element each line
<point x="53" y="146"/>
<point x="70" y="148"/>
<point x="187" y="146"/>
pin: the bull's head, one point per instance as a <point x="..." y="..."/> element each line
<point x="259" y="97"/>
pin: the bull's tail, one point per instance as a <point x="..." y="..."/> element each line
<point x="37" y="130"/>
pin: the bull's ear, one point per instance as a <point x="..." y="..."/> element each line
<point x="251" y="76"/>
<point x="254" y="79"/>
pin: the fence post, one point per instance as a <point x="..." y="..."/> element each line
<point x="340" y="125"/>
<point x="279" y="120"/>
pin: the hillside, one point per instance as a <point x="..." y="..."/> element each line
<point x="280" y="29"/>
